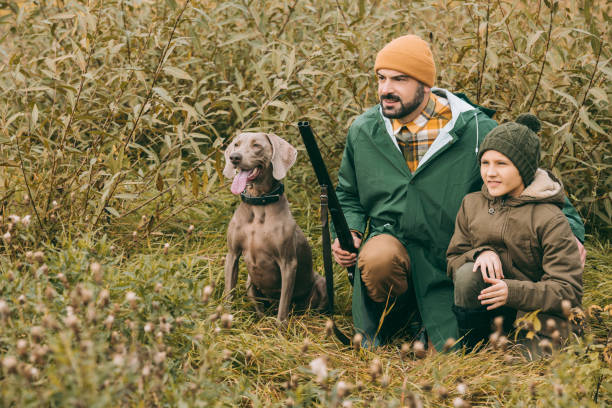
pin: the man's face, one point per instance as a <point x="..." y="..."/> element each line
<point x="401" y="96"/>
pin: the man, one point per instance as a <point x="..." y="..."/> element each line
<point x="407" y="164"/>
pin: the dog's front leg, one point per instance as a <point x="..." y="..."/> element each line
<point x="254" y="294"/>
<point x="288" y="268"/>
<point x="231" y="273"/>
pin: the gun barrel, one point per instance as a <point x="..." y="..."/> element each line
<point x="315" y="154"/>
<point x="343" y="232"/>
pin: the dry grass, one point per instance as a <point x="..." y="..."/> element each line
<point x="113" y="116"/>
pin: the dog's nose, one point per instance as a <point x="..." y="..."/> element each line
<point x="235" y="158"/>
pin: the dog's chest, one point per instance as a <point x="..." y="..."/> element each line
<point x="263" y="229"/>
<point x="266" y="239"/>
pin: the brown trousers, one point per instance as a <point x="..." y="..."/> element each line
<point x="385" y="267"/>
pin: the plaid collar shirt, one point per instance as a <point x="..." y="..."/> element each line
<point x="415" y="138"/>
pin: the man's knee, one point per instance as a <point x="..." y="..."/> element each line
<point x="385" y="267"/>
<point x="468" y="285"/>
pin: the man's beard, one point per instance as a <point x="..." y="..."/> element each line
<point x="406" y="108"/>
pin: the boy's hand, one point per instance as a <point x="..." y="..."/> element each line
<point x="345" y="258"/>
<point x="495" y="295"/>
<point x="489" y="264"/>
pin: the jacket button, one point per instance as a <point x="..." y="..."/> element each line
<point x="491" y="210"/>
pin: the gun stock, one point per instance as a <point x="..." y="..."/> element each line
<point x="341" y="227"/>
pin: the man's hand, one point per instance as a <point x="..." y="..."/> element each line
<point x="345" y="258"/>
<point x="489" y="264"/>
<point x="495" y="295"/>
<point x="582" y="252"/>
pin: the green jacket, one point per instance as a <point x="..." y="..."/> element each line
<point x="376" y="189"/>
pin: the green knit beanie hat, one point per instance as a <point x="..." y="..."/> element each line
<point x="517" y="141"/>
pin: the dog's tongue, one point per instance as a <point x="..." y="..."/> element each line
<point x="240" y="181"/>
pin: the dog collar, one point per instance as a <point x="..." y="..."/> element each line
<point x="269" y="198"/>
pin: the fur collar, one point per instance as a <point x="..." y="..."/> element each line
<point x="545" y="188"/>
<point x="544" y="185"/>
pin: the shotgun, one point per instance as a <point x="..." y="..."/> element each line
<point x="340" y="225"/>
<point x="329" y="266"/>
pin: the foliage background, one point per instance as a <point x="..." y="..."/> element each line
<point x="114" y="116"/>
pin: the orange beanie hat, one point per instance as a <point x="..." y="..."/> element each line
<point x="408" y="54"/>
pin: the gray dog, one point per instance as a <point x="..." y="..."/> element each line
<point x="277" y="255"/>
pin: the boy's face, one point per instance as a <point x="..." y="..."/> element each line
<point x="500" y="175"/>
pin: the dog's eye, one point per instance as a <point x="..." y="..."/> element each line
<point x="256" y="146"/>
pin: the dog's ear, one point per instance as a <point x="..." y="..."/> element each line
<point x="228" y="171"/>
<point x="283" y="156"/>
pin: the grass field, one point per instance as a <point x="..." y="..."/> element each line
<point x="113" y="119"/>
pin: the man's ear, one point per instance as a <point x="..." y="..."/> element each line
<point x="283" y="156"/>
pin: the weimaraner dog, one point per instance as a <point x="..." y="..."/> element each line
<point x="277" y="255"/>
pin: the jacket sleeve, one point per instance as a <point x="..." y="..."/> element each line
<point x="562" y="278"/>
<point x="574" y="219"/>
<point x="460" y="250"/>
<point x="347" y="190"/>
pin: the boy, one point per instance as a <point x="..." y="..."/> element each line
<point x="512" y="249"/>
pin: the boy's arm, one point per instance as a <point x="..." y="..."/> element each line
<point x="460" y="250"/>
<point x="562" y="278"/>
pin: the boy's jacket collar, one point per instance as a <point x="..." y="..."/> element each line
<point x="545" y="188"/>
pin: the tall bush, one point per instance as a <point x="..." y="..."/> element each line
<point x="112" y="110"/>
